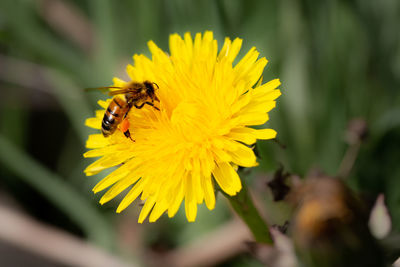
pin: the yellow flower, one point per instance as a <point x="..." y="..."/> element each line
<point x="199" y="136"/>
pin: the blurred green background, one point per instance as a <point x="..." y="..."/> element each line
<point x="337" y="60"/>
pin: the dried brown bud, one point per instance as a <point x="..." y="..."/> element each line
<point x="330" y="227"/>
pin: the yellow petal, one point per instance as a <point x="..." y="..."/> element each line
<point x="253" y="118"/>
<point x="104" y="151"/>
<point x="221" y="155"/>
<point x="94" y="123"/>
<point x="246" y="63"/>
<point x="175" y="45"/>
<point x="208" y="189"/>
<point x="158" y="210"/>
<point x="254" y="73"/>
<point x="259" y="82"/>
<point x="259" y="107"/>
<point x="249" y="135"/>
<point x="96" y="141"/>
<point x="243" y="156"/>
<point x="178" y="198"/>
<point x="225" y="48"/>
<point x="266" y="96"/>
<point x="104" y="104"/>
<point x="188" y="44"/>
<point x="105" y="163"/>
<point x="267" y="87"/>
<point x="243" y="101"/>
<point x="196" y="173"/>
<point x="117" y="188"/>
<point x="240" y="134"/>
<point x="230" y="50"/>
<point x="265" y="134"/>
<point x="227" y="178"/>
<point x="131" y="196"/>
<point x="118" y="174"/>
<point x="190" y="200"/>
<point x="148" y="205"/>
<point x="118" y="82"/>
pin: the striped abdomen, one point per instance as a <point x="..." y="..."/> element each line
<point x="113" y="116"/>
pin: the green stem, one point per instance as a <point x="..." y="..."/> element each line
<point x="244" y="207"/>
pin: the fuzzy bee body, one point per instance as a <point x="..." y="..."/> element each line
<point x="135" y="94"/>
<point x="113" y="116"/>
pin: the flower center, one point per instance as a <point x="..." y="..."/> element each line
<point x="188" y="118"/>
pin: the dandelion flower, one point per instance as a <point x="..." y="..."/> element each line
<point x="199" y="136"/>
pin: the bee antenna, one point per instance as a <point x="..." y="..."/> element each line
<point x="156" y="85"/>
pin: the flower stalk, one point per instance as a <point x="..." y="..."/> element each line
<point x="244" y="207"/>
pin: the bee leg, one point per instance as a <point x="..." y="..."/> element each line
<point x="151" y="104"/>
<point x="139" y="107"/>
<point x="127" y="133"/>
<point x="124" y="126"/>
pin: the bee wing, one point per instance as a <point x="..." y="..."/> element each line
<point x="106" y="90"/>
<point x="119" y="92"/>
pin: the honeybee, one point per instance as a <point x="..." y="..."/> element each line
<point x="135" y="94"/>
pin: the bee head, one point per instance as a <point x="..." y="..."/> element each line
<point x="150" y="90"/>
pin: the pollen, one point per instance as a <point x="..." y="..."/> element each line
<point x="199" y="136"/>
